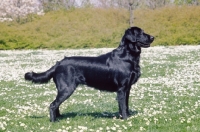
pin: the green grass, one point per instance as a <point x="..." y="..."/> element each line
<point x="166" y="97"/>
<point x="96" y="28"/>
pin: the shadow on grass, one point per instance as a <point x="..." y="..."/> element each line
<point x="37" y="117"/>
<point x="94" y="115"/>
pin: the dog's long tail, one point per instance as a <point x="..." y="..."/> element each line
<point x="43" y="77"/>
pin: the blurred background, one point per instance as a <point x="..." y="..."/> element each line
<point x="61" y="24"/>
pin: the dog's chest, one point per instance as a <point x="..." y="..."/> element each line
<point x="135" y="74"/>
<point x="135" y="71"/>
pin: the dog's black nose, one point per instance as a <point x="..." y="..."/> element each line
<point x="152" y="37"/>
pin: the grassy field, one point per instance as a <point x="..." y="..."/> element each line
<point x="165" y="99"/>
<point x="97" y="28"/>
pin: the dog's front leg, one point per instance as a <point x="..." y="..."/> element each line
<point x="121" y="97"/>
<point x="127" y="105"/>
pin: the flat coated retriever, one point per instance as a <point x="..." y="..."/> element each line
<point x="115" y="71"/>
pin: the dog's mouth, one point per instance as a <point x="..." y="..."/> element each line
<point x="143" y="45"/>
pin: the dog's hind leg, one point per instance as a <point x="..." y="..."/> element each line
<point x="54" y="106"/>
<point x="65" y="83"/>
<point x="58" y="112"/>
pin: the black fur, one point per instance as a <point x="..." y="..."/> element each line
<point x="115" y="71"/>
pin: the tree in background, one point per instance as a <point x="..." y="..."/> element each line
<point x="18" y="9"/>
<point x="157" y="3"/>
<point x="132" y="4"/>
<point x="131" y="12"/>
<point x="190" y="2"/>
<point x="50" y="5"/>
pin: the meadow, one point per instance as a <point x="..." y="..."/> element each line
<point x="166" y="97"/>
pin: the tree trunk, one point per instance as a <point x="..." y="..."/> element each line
<point x="131" y="12"/>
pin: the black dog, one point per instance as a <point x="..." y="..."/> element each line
<point x="115" y="71"/>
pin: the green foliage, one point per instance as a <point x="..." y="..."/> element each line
<point x="77" y="28"/>
<point x="93" y="27"/>
<point x="171" y="25"/>
<point x="182" y="2"/>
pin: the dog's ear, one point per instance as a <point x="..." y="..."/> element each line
<point x="134" y="48"/>
<point x="129" y="35"/>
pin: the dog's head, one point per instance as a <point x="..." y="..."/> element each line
<point x="135" y="36"/>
